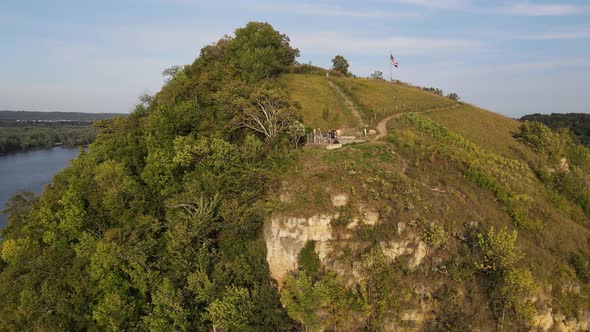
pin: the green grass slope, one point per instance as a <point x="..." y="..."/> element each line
<point x="378" y="99"/>
<point x="452" y="165"/>
<point x="489" y="130"/>
<point x="321" y="105"/>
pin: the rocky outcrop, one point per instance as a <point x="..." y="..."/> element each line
<point x="415" y="249"/>
<point x="285" y="236"/>
<point x="548" y="321"/>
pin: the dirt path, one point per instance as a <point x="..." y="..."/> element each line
<point x="382" y="132"/>
<point x="349" y="104"/>
<point x="382" y="125"/>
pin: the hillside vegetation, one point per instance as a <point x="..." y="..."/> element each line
<point x="202" y="210"/>
<point x="578" y="123"/>
<point x="321" y="106"/>
<point x="378" y="99"/>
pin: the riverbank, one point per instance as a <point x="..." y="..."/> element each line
<point x="30" y="171"/>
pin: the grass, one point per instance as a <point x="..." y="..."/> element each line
<point x="437" y="157"/>
<point x="491" y="131"/>
<point x="493" y="188"/>
<point x="321" y="105"/>
<point x="469" y="155"/>
<point x="378" y="99"/>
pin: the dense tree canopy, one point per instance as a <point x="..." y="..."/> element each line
<point x="156" y="227"/>
<point x="260" y="52"/>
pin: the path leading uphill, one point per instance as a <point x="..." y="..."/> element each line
<point x="382" y="125"/>
<point x="382" y="132"/>
<point x="348" y="103"/>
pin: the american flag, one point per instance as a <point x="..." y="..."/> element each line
<point x="393" y="60"/>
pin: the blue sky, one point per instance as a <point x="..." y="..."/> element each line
<point x="512" y="57"/>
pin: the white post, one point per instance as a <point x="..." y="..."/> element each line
<point x="390" y="72"/>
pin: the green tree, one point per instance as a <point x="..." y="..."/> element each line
<point x="380" y="292"/>
<point x="434" y="235"/>
<point x="308" y="260"/>
<point x="269" y="113"/>
<point x="377" y="75"/>
<point x="453" y="96"/>
<point x="498" y="251"/>
<point x="259" y="51"/>
<point x="300" y="298"/>
<point x="510" y="289"/>
<point x="157" y="225"/>
<point x="233" y="310"/>
<point x="335" y="299"/>
<point x="168" y="311"/>
<point x="340" y="64"/>
<point x="515" y="294"/>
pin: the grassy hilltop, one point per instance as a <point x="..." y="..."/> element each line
<point x="454" y="218"/>
<point x="455" y="166"/>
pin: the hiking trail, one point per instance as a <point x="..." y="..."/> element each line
<point x="382" y="130"/>
<point x="348" y="103"/>
<point x="382" y="125"/>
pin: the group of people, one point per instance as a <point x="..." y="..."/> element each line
<point x="331" y="137"/>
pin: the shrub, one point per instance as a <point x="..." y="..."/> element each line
<point x="308" y="260"/>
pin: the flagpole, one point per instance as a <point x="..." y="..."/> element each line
<point x="390" y="68"/>
<point x="390" y="72"/>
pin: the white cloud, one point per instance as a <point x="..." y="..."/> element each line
<point x="333" y="42"/>
<point x="315" y="9"/>
<point x="168" y="39"/>
<point x="545" y="9"/>
<point x="579" y="33"/>
<point x="508" y="8"/>
<point x="299" y="8"/>
<point x="543" y="65"/>
<point x="439" y="4"/>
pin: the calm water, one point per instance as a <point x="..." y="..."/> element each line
<point x="30" y="171"/>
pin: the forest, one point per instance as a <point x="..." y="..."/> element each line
<point x="156" y="226"/>
<point x="578" y="123"/>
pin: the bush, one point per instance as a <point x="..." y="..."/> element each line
<point x="308" y="260"/>
<point x="453" y="96"/>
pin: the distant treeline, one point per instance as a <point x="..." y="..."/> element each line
<point x="19" y="138"/>
<point x="21" y="130"/>
<point x="52" y="116"/>
<point x="578" y="123"/>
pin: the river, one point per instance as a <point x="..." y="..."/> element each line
<point x="30" y="171"/>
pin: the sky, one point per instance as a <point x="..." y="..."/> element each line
<point x="513" y="57"/>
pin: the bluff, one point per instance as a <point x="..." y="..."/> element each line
<point x="205" y="209"/>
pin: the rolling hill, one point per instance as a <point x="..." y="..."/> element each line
<point x="204" y="210"/>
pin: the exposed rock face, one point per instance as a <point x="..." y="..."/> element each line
<point x="285" y="236"/>
<point x="549" y="322"/>
<point x="564" y="165"/>
<point x="339" y="200"/>
<point x="543" y="321"/>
